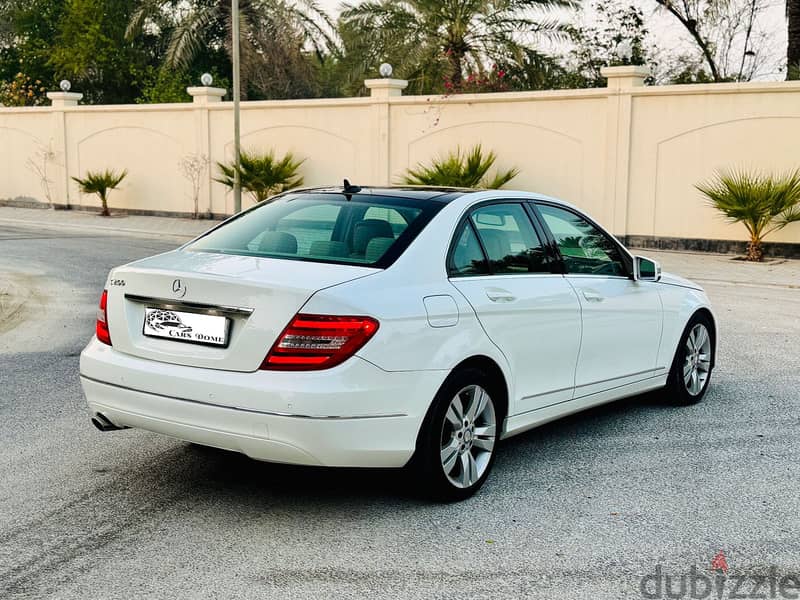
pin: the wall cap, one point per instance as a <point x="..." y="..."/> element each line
<point x="384" y="88"/>
<point x="64" y="98"/>
<point x="205" y="94"/>
<point x="625" y="76"/>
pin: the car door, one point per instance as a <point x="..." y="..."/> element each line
<point x="499" y="263"/>
<point x="622" y="318"/>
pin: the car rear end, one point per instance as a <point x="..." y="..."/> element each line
<point x="210" y="343"/>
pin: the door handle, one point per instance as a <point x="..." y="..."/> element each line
<point x="500" y="295"/>
<point x="592" y="296"/>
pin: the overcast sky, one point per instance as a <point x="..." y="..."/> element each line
<point x="668" y="33"/>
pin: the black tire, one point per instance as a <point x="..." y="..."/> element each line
<point x="427" y="464"/>
<point x="677" y="390"/>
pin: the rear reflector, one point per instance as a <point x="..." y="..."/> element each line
<point x="313" y="342"/>
<point x="101" y="327"/>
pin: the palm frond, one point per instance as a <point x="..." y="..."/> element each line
<point x="263" y="175"/>
<point x="99" y="182"/>
<point x="141" y="13"/>
<point x="460" y="169"/>
<point x="762" y="202"/>
<point x="188" y="37"/>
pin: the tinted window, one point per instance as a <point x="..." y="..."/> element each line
<point x="466" y="257"/>
<point x="363" y="230"/>
<point x="509" y="239"/>
<point x="584" y="248"/>
<point x="392" y="216"/>
<point x="308" y="225"/>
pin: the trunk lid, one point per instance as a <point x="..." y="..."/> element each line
<point x="259" y="296"/>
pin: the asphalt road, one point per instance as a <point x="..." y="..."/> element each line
<point x="581" y="508"/>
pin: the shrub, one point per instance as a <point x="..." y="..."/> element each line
<point x="22" y="91"/>
<point x="468" y="169"/>
<point x="763" y="203"/>
<point x="101" y="183"/>
<point x="262" y="174"/>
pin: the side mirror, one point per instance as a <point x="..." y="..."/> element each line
<point x="646" y="269"/>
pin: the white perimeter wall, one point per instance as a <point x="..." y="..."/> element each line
<point x="628" y="154"/>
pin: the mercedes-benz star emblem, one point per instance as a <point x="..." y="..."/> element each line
<point x="178" y="288"/>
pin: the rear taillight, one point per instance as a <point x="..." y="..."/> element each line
<point x="101" y="327"/>
<point x="312" y="342"/>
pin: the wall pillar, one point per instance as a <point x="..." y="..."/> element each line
<point x="58" y="143"/>
<point x="622" y="81"/>
<point x="202" y="98"/>
<point x="381" y="92"/>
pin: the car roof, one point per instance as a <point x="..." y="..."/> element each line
<point x="438" y="194"/>
<point x="441" y="195"/>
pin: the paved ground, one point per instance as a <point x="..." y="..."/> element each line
<point x="582" y="508"/>
<point x="80" y="220"/>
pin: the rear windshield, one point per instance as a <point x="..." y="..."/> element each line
<point x="364" y="230"/>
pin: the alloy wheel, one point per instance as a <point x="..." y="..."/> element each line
<point x="468" y="436"/>
<point x="697" y="359"/>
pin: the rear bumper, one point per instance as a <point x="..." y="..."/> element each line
<point x="357" y="416"/>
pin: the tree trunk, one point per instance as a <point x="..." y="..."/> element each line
<point x="104" y="201"/>
<point x="755" y="251"/>
<point x="456" y="58"/>
<point x="692" y="27"/>
<point x="793" y="49"/>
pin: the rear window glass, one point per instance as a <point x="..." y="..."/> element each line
<point x="363" y="230"/>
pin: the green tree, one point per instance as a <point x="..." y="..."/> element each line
<point x="428" y="39"/>
<point x="533" y="70"/>
<point x="92" y="52"/>
<point x="27" y="33"/>
<point x="616" y="36"/>
<point x="101" y="183"/>
<point x="275" y="35"/>
<point x="793" y="30"/>
<point x="763" y="203"/>
<point x="263" y="175"/>
<point x="461" y="169"/>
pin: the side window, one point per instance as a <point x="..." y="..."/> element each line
<point x="585" y="249"/>
<point x="466" y="257"/>
<point x="510" y="240"/>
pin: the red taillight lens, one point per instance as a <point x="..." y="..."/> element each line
<point x="101" y="327"/>
<point x="312" y="342"/>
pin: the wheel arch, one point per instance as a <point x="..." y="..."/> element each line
<point x="706" y="312"/>
<point x="493" y="370"/>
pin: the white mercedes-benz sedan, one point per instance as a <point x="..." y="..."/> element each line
<point x="390" y="327"/>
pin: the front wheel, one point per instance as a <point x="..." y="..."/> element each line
<point x="457" y="441"/>
<point x="691" y="369"/>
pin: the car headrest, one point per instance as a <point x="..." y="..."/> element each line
<point x="332" y="249"/>
<point x="278" y="241"/>
<point x="377" y="247"/>
<point x="367" y="229"/>
<point x="497" y="244"/>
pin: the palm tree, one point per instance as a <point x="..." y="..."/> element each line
<point x="461" y="169"/>
<point x="101" y="183"/>
<point x="793" y="49"/>
<point x="274" y="34"/>
<point x="415" y="34"/>
<point x="763" y="203"/>
<point x="262" y="174"/>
